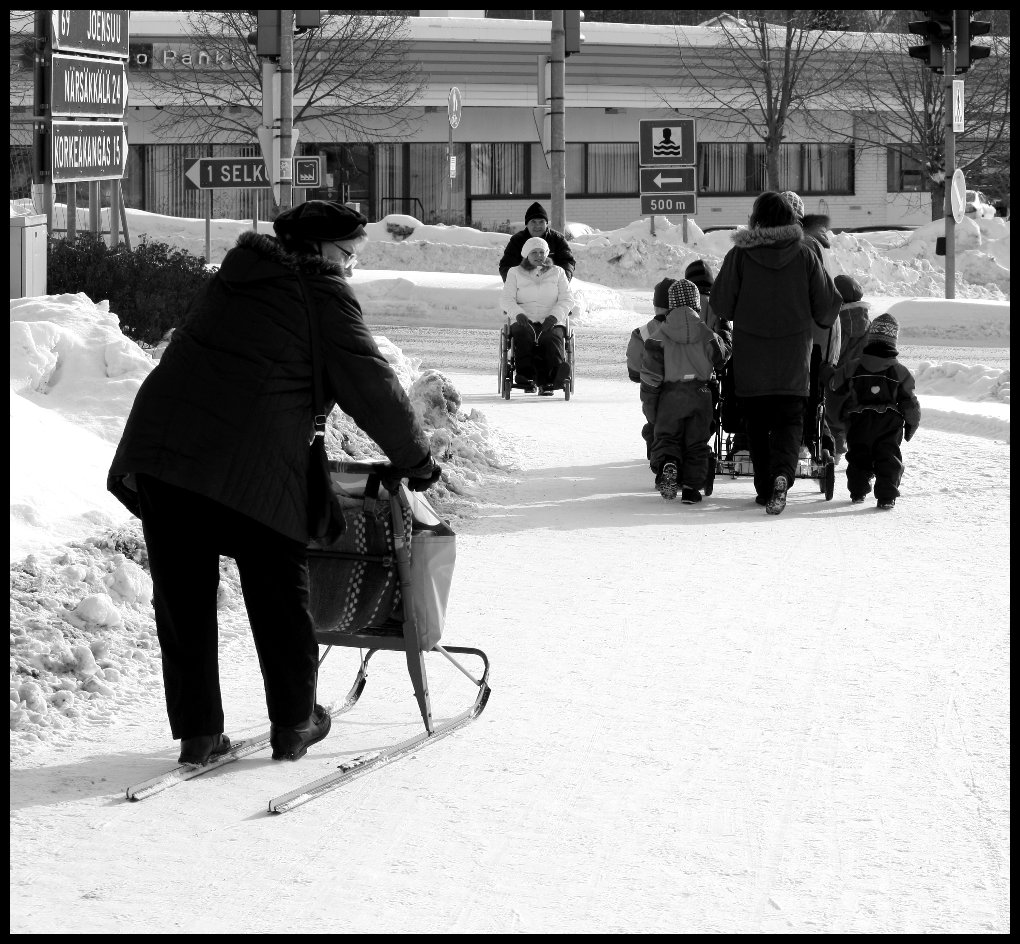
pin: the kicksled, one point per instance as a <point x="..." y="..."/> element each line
<point x="382" y="587"/>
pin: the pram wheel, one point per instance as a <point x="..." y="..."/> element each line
<point x="827" y="482"/>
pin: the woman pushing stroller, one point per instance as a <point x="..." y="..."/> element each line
<point x="537" y="299"/>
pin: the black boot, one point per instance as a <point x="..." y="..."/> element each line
<point x="198" y="751"/>
<point x="291" y="743"/>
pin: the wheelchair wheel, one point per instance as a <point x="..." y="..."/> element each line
<point x="568" y="386"/>
<point x="507" y="384"/>
<point x="710" y="478"/>
<point x="501" y="375"/>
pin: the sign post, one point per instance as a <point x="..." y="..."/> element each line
<point x="454" y="107"/>
<point x="86" y="59"/>
<point x="667" y="153"/>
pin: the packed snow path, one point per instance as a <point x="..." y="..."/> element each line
<point x="703" y="719"/>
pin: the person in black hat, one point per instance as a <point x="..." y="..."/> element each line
<point x="880" y="410"/>
<point x="215" y="458"/>
<point x="536" y="223"/>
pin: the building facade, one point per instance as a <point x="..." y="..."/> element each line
<point x="623" y="74"/>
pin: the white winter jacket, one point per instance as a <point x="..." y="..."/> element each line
<point x="537" y="293"/>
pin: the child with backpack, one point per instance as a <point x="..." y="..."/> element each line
<point x="880" y="412"/>
<point x="854" y="322"/>
<point x="648" y="371"/>
<point x="691" y="353"/>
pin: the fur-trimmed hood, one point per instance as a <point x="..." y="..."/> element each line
<point x="771" y="246"/>
<point x="257" y="257"/>
<point x="753" y="237"/>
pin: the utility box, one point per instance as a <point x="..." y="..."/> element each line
<point x="28" y="256"/>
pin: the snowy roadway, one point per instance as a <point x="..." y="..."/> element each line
<point x="703" y="719"/>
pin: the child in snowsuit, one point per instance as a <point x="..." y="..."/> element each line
<point x="854" y="323"/>
<point x="880" y="412"/>
<point x="649" y="374"/>
<point x="683" y="422"/>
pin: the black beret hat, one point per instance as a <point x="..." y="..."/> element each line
<point x="320" y="219"/>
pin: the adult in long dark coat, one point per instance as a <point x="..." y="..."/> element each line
<point x="773" y="288"/>
<point x="214" y="459"/>
<point x="536" y="223"/>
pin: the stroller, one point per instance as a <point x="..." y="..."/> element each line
<point x="732" y="453"/>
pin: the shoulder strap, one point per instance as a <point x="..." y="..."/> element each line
<point x="319" y="419"/>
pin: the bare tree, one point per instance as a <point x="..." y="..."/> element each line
<point x="768" y="68"/>
<point x="352" y="74"/>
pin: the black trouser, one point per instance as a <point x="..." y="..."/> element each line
<point x="185" y="534"/>
<point x="775" y="426"/>
<point x="873" y="448"/>
<point x="538" y="356"/>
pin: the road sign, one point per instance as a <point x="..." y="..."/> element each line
<point x="958" y="196"/>
<point x="454" y="106"/>
<point x="673" y="204"/>
<point x="666" y="141"/>
<point x="88" y="150"/>
<point x="242" y="173"/>
<point x="308" y="172"/>
<point x="99" y="32"/>
<point x="88" y="88"/>
<point x="958" y="105"/>
<point x="660" y="180"/>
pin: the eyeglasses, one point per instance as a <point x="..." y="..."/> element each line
<point x="350" y="255"/>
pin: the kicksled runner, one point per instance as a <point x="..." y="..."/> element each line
<point x="382" y="587"/>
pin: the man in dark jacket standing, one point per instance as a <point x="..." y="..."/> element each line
<point x="536" y="223"/>
<point x="773" y="288"/>
<point x="215" y="454"/>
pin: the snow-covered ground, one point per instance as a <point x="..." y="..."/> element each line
<point x="702" y="719"/>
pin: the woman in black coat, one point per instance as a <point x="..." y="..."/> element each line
<point x="214" y="459"/>
<point x="773" y="287"/>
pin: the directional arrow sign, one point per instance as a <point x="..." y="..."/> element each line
<point x="226" y="173"/>
<point x="235" y="173"/>
<point x="88" y="88"/>
<point x="88" y="150"/>
<point x="657" y="180"/>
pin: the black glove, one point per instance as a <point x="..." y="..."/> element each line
<point x="825" y="374"/>
<point x="424" y="476"/>
<point x="908" y="432"/>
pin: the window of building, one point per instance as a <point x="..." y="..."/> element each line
<point x="499" y="169"/>
<point x="737" y="169"/>
<point x="612" y="168"/>
<point x="541" y="178"/>
<point x="903" y="173"/>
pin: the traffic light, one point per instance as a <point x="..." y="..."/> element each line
<point x="305" y="20"/>
<point x="572" y="31"/>
<point x="266" y="38"/>
<point x="938" y="27"/>
<point x="966" y="29"/>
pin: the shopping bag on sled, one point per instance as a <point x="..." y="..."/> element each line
<point x="354" y="584"/>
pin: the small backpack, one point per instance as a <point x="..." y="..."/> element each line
<point x="875" y="390"/>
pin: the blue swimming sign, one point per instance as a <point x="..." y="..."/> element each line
<point x="666" y="141"/>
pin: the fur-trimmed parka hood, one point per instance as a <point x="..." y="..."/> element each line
<point x="770" y="246"/>
<point x="257" y="257"/>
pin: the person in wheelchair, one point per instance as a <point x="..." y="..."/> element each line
<point x="537" y="299"/>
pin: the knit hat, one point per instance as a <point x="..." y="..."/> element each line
<point x="849" y="288"/>
<point x="320" y="220"/>
<point x="660" y="296"/>
<point x="530" y="245"/>
<point x="883" y="328"/>
<point x="795" y="201"/>
<point x="536" y="212"/>
<point x="701" y="275"/>
<point x="684" y="292"/>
